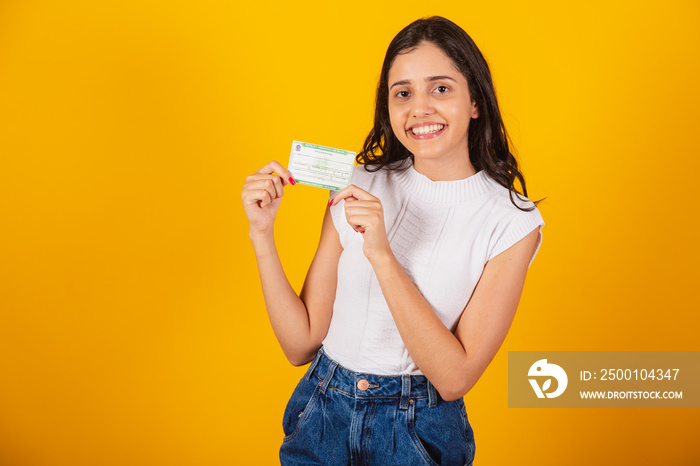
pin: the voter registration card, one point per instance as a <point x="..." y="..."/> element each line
<point x="321" y="166"/>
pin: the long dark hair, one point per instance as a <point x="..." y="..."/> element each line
<point x="488" y="141"/>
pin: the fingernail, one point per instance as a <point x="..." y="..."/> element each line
<point x="330" y="203"/>
<point x="291" y="180"/>
<point x="355" y="230"/>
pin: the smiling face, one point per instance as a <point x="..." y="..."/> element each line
<point x="430" y="108"/>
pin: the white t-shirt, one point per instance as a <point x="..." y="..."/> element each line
<point x="442" y="233"/>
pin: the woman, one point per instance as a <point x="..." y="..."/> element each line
<point x="418" y="271"/>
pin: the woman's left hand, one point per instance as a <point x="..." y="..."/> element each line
<point x="365" y="215"/>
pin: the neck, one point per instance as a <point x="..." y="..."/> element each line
<point x="438" y="170"/>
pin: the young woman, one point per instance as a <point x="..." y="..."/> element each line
<point x="418" y="272"/>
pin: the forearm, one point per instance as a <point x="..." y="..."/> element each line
<point x="434" y="349"/>
<point x="287" y="312"/>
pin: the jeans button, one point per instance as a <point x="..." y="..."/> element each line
<point x="363" y="385"/>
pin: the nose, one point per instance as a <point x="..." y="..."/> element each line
<point x="422" y="105"/>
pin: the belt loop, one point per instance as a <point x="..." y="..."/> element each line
<point x="405" y="390"/>
<point x="329" y="376"/>
<point x="432" y="396"/>
<point x="313" y="365"/>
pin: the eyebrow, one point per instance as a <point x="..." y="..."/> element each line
<point x="429" y="79"/>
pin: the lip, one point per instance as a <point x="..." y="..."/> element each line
<point x="425" y="136"/>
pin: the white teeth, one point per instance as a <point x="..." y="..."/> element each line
<point x="427" y="129"/>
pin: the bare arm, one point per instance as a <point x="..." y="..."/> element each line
<point x="452" y="362"/>
<point x="300" y="322"/>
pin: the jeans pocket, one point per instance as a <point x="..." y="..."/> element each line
<point x="299" y="407"/>
<point x="419" y="440"/>
<point x="468" y="431"/>
<point x="438" y="433"/>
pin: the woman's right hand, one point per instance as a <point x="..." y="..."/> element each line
<point x="261" y="196"/>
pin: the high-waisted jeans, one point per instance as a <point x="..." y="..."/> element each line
<point x="339" y="417"/>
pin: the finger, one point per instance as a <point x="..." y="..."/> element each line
<point x="274" y="188"/>
<point x="262" y="191"/>
<point x="347" y="199"/>
<point x="362" y="219"/>
<point x="357" y="204"/>
<point x="271" y="182"/>
<point x="275" y="167"/>
<point x="276" y="181"/>
<point x="261" y="197"/>
<point x="265" y="198"/>
<point x="352" y="191"/>
<point x="363" y="213"/>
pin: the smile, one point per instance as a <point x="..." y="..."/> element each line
<point x="426" y="131"/>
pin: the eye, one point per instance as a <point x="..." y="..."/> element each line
<point x="441" y="89"/>
<point x="402" y="94"/>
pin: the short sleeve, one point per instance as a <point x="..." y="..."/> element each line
<point x="512" y="228"/>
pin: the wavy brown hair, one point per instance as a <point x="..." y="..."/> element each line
<point x="489" y="146"/>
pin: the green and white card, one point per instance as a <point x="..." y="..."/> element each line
<point x="321" y="166"/>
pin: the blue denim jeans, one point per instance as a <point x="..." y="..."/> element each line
<point x="339" y="417"/>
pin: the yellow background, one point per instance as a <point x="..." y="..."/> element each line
<point x="132" y="326"/>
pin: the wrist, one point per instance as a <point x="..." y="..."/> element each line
<point x="261" y="238"/>
<point x="383" y="260"/>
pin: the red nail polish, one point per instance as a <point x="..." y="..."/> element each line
<point x="330" y="203"/>
<point x="291" y="180"/>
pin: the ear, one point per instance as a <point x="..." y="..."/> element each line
<point x="475" y="110"/>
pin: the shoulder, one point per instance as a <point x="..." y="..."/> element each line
<point x="376" y="181"/>
<point x="509" y="224"/>
<point x="505" y="202"/>
<point x="361" y="176"/>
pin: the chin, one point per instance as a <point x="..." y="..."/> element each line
<point x="426" y="155"/>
